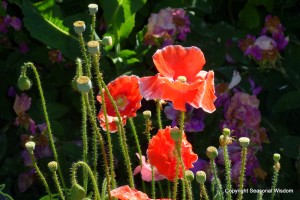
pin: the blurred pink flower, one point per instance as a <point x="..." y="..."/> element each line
<point x="146" y="171"/>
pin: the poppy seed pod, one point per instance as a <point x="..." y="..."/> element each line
<point x="147" y="114"/>
<point x="226" y="131"/>
<point x="200" y="177"/>
<point x="93" y="47"/>
<point x="107" y="41"/>
<point x="189" y="175"/>
<point x="84" y="84"/>
<point x="175" y="134"/>
<point x="79" y="27"/>
<point x="93" y="8"/>
<point x="244" y="142"/>
<point x="30" y="146"/>
<point x="52" y="166"/>
<point x="24" y="83"/>
<point x="211" y="152"/>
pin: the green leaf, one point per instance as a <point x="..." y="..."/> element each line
<point x="123" y="16"/>
<point x="249" y="17"/>
<point x="288" y="101"/>
<point x="43" y="21"/>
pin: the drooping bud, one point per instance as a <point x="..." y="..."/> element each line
<point x="84" y="84"/>
<point x="30" y="146"/>
<point x="79" y="27"/>
<point x="77" y="192"/>
<point x="189" y="175"/>
<point x="244" y="142"/>
<point x="175" y="134"/>
<point x="93" y="47"/>
<point x="200" y="177"/>
<point x="93" y="8"/>
<point x="147" y="114"/>
<point x="107" y="41"/>
<point x="24" y="83"/>
<point x="52" y="166"/>
<point x="211" y="152"/>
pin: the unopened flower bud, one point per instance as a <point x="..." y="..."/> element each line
<point x="244" y="142"/>
<point x="77" y="192"/>
<point x="84" y="84"/>
<point x="107" y="41"/>
<point x="225" y="140"/>
<point x="211" y="152"/>
<point x="276" y="157"/>
<point x="226" y="131"/>
<point x="200" y="177"/>
<point x="277" y="166"/>
<point x="79" y="27"/>
<point x="93" y="8"/>
<point x="30" y="146"/>
<point x="175" y="134"/>
<point x="147" y="114"/>
<point x="189" y="175"/>
<point x="93" y="47"/>
<point x="52" y="166"/>
<point x="24" y="83"/>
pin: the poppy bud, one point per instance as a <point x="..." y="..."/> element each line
<point x="77" y="192"/>
<point x="226" y="131"/>
<point x="211" y="152"/>
<point x="244" y="142"/>
<point x="200" y="177"/>
<point x="30" y="146"/>
<point x="52" y="166"/>
<point x="24" y="83"/>
<point x="93" y="47"/>
<point x="107" y="41"/>
<point x="147" y="114"/>
<point x="175" y="134"/>
<point x="84" y="84"/>
<point x="189" y="175"/>
<point x="276" y="157"/>
<point x="79" y="27"/>
<point x="93" y="8"/>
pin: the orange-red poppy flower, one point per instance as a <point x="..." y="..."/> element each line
<point x="126" y="94"/>
<point x="162" y="154"/>
<point x="127" y="193"/>
<point x="180" y="79"/>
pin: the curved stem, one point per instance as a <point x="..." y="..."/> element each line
<point x="90" y="172"/>
<point x="50" y="135"/>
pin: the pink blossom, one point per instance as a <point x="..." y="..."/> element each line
<point x="146" y="171"/>
<point x="265" y="43"/>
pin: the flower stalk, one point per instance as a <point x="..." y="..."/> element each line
<point x="244" y="142"/>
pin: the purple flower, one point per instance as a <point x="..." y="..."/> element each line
<point x="25" y="180"/>
<point x="16" y="23"/>
<point x="280" y="40"/>
<point x="4" y="23"/>
<point x="194" y="118"/>
<point x="23" y="47"/>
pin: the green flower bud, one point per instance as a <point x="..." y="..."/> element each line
<point x="147" y="114"/>
<point x="84" y="84"/>
<point x="93" y="8"/>
<point x="175" y="134"/>
<point x="244" y="142"/>
<point x="276" y="157"/>
<point x="211" y="152"/>
<point x="30" y="146"/>
<point x="24" y="83"/>
<point x="226" y="131"/>
<point x="107" y="41"/>
<point x="74" y="83"/>
<point x="93" y="47"/>
<point x="200" y="177"/>
<point x="79" y="27"/>
<point x="77" y="192"/>
<point x="52" y="166"/>
<point x="189" y="175"/>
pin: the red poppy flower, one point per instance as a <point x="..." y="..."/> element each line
<point x="126" y="94"/>
<point x="180" y="79"/>
<point x="162" y="155"/>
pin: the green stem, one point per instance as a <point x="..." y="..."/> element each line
<point x="274" y="182"/>
<point x="93" y="25"/>
<point x="158" y="113"/>
<point x="203" y="191"/>
<point x="227" y="169"/>
<point x="85" y="57"/>
<point x="259" y="196"/>
<point x="242" y="173"/>
<point x="84" y="141"/>
<point x="137" y="142"/>
<point x="176" y="178"/>
<point x="152" y="183"/>
<point x="56" y="181"/>
<point x="216" y="180"/>
<point x="95" y="59"/>
<point x="190" y="191"/>
<point x="39" y="173"/>
<point x="96" y="130"/>
<point x="50" y="135"/>
<point x="90" y="172"/>
<point x="169" y="189"/>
